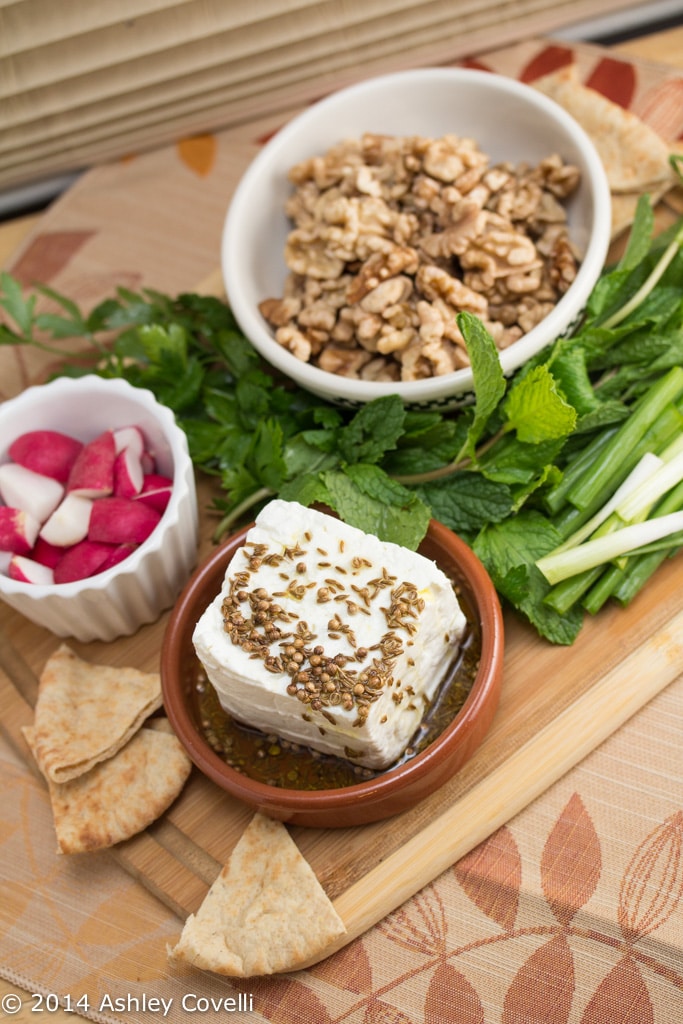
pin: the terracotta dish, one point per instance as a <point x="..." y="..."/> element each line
<point x="386" y="794"/>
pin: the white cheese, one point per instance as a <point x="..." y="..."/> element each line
<point x="329" y="637"/>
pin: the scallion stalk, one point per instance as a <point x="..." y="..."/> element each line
<point x="557" y="567"/>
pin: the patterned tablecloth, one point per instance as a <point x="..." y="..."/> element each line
<point x="572" y="913"/>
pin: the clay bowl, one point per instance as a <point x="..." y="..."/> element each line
<point x="387" y="794"/>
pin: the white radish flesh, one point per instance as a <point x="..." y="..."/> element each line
<point x="69" y="522"/>
<point x="48" y="452"/>
<point x="26" y="570"/>
<point x="128" y="475"/>
<point x="18" y="530"/>
<point x="92" y="475"/>
<point x="29" y="491"/>
<point x="129" y="437"/>
<point x="121" y="521"/>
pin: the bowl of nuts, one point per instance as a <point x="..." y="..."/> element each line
<point x="371" y="220"/>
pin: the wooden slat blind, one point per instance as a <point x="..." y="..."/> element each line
<point x="81" y="83"/>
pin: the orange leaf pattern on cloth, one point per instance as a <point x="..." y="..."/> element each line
<point x="542" y="990"/>
<point x="420" y="926"/>
<point x="615" y="79"/>
<point x="491" y="876"/>
<point x="379" y="1012"/>
<point x="451" y="997"/>
<point x="652" y="887"/>
<point x="621" y="998"/>
<point x="198" y="153"/>
<point x="570" y="864"/>
<point x="48" y="254"/>
<point x="662" y="108"/>
<point x="282" y="1000"/>
<point x="349" y="969"/>
<point x="550" y="58"/>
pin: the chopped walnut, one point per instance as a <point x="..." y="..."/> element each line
<point x="393" y="237"/>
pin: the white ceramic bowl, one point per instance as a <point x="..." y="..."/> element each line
<point x="121" y="599"/>
<point x="509" y="120"/>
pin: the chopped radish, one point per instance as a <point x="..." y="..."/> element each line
<point x="46" y="554"/>
<point x="128" y="475"/>
<point x="29" y="491"/>
<point x="129" y="437"/>
<point x="69" y="522"/>
<point x="48" y="452"/>
<point x="18" y="530"/>
<point x="117" y="554"/>
<point x="82" y="560"/>
<point x="113" y="499"/>
<point x="121" y="521"/>
<point x="26" y="570"/>
<point x="92" y="475"/>
<point x="148" y="462"/>
<point x="156" y="491"/>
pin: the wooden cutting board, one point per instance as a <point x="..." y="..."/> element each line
<point x="557" y="705"/>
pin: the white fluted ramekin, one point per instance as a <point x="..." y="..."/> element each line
<point x="137" y="590"/>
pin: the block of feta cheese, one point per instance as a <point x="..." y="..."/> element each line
<point x="329" y="637"/>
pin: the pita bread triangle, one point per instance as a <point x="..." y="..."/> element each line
<point x="85" y="713"/>
<point x="265" y="912"/>
<point x="121" y="796"/>
<point x="635" y="158"/>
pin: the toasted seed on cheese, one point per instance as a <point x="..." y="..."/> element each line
<point x="329" y="637"/>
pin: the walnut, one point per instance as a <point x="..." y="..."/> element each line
<point x="280" y="311"/>
<point x="379" y="267"/>
<point x="345" y="361"/>
<point x="387" y="293"/>
<point x="392" y="237"/>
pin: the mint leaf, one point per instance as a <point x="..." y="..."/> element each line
<point x="466" y="502"/>
<point x="374" y="430"/>
<point x="307" y="489"/>
<point x="401" y="524"/>
<point x="509" y="551"/>
<point x="489" y="380"/>
<point x="536" y="410"/>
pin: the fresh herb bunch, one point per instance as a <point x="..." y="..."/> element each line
<point x="517" y="474"/>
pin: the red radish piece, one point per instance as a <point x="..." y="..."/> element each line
<point x="156" y="491"/>
<point x="26" y="570"/>
<point x="118" y="554"/>
<point x="81" y="561"/>
<point x="18" y="530"/>
<point x="48" y="452"/>
<point x="128" y="475"/>
<point x="31" y="492"/>
<point x="69" y="522"/>
<point x="148" y="463"/>
<point x="129" y="437"/>
<point x="46" y="554"/>
<point x="92" y="474"/>
<point x="121" y="521"/>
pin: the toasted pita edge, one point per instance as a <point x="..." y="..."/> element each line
<point x="635" y="157"/>
<point x="64" y="746"/>
<point x="265" y="913"/>
<point x="119" y="797"/>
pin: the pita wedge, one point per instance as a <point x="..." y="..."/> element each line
<point x="85" y="713"/>
<point x="266" y="912"/>
<point x="636" y="158"/>
<point x="120" y="796"/>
